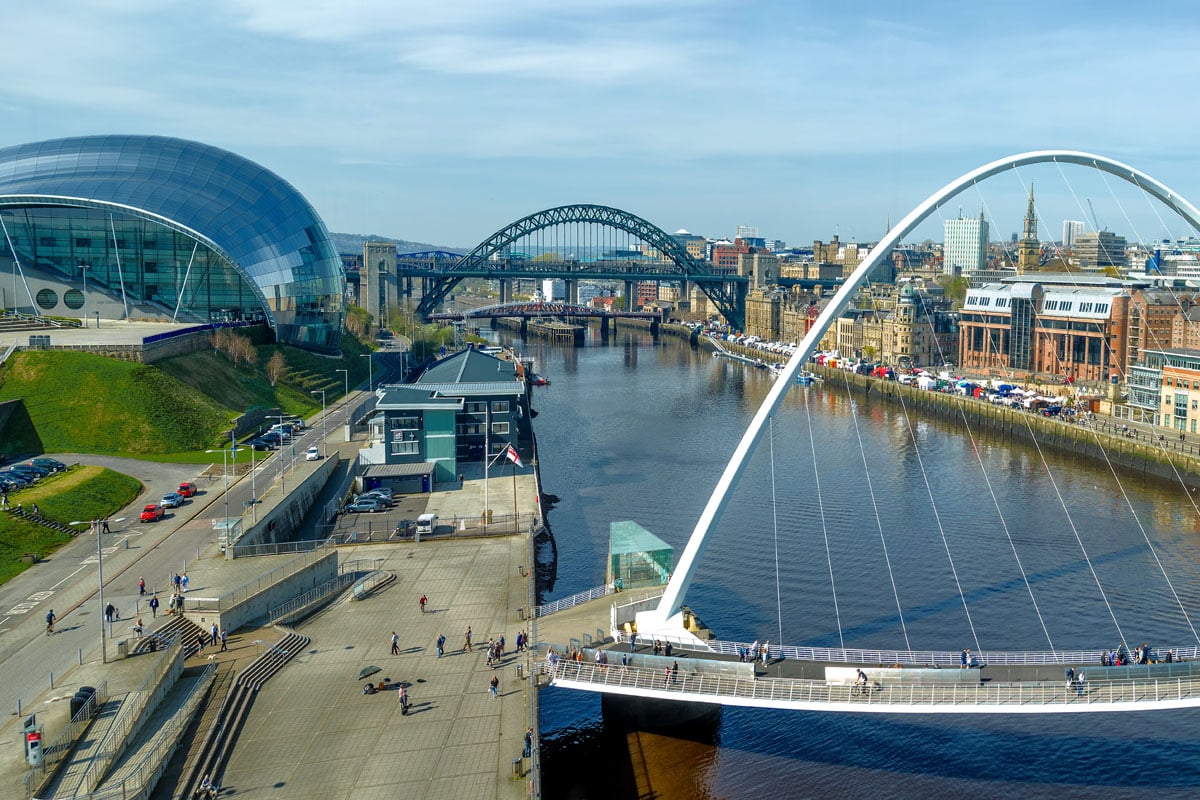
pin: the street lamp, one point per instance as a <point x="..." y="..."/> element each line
<point x="95" y="525"/>
<point x="225" y="469"/>
<point x="324" y="432"/>
<point x="346" y="379"/>
<point x="370" y="370"/>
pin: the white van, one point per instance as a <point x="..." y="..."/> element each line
<point x="426" y="523"/>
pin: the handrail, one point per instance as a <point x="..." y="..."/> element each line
<point x="315" y="595"/>
<point x="573" y="600"/>
<point x="1019" y="697"/>
<point x="149" y="769"/>
<point x="58" y="750"/>
<point x="253" y="587"/>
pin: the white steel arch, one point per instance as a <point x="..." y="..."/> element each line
<point x="668" y="616"/>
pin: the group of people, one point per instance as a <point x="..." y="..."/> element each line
<point x="212" y="636"/>
<point x="753" y="652"/>
<point x="1143" y="654"/>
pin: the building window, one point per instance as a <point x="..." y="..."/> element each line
<point x="500" y="407"/>
<point x="500" y="428"/>
<point x="406" y="448"/>
<point x="46" y="241"/>
<point x="476" y="408"/>
<point x="83" y="242"/>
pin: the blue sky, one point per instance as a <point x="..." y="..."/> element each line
<point x="444" y="121"/>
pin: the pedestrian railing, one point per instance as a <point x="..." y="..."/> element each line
<point x="695" y="685"/>
<point x="138" y="780"/>
<point x="57" y="751"/>
<point x="251" y="588"/>
<point x="574" y="600"/>
<point x="286" y="611"/>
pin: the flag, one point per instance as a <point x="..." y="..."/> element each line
<point x="511" y="455"/>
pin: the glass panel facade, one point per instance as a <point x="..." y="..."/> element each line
<point x="260" y="247"/>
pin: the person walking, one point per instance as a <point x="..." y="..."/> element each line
<point x="441" y="645"/>
<point x="494" y="685"/>
<point x="224" y="635"/>
<point x="37" y="512"/>
<point x="154" y="606"/>
<point x="178" y="582"/>
<point x="395" y="644"/>
<point x="109" y="611"/>
<point x="423" y="601"/>
<point x="184" y="581"/>
<point x="104" y="526"/>
<point x="137" y="629"/>
<point x="766" y="652"/>
<point x="141" y="587"/>
<point x="467" y="639"/>
<point x="403" y="697"/>
<point x="528" y="742"/>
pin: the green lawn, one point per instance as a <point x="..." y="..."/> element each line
<point x="79" y="494"/>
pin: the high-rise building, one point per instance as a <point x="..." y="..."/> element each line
<point x="964" y="247"/>
<point x="1071" y="229"/>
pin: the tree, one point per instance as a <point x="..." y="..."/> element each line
<point x="955" y="287"/>
<point x="276" y="367"/>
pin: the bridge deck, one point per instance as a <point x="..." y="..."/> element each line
<point x="804" y="685"/>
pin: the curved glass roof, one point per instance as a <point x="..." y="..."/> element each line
<point x="250" y="215"/>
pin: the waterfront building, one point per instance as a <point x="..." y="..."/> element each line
<point x="1165" y="386"/>
<point x="964" y="246"/>
<point x="1064" y="325"/>
<point x="1152" y="315"/>
<point x="462" y="407"/>
<point x="1096" y="251"/>
<point x="151" y="227"/>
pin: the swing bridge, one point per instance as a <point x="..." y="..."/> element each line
<point x="621" y="655"/>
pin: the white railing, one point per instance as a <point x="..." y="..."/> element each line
<point x="573" y="600"/>
<point x="1003" y="698"/>
<point x="57" y="751"/>
<point x="249" y="589"/>
<point x="311" y="597"/>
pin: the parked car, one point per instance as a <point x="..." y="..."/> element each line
<point x="29" y="469"/>
<point x="172" y="500"/>
<point x="152" y="513"/>
<point x="52" y="464"/>
<point x="312" y="454"/>
<point x="262" y="444"/>
<point x="16" y="477"/>
<point x="188" y="489"/>
<point x="365" y="505"/>
<point x="381" y="490"/>
<point x="386" y="502"/>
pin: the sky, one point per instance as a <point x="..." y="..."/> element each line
<point x="445" y="121"/>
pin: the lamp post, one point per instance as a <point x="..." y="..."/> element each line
<point x="95" y="525"/>
<point x="370" y="370"/>
<point x="225" y="469"/>
<point x="84" y="268"/>
<point x="346" y="394"/>
<point x="324" y="432"/>
<point x="282" y="487"/>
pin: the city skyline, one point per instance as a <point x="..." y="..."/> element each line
<point x="445" y="123"/>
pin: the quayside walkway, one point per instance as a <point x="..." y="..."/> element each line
<point x="1003" y="688"/>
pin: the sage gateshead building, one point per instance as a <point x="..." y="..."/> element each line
<point x="156" y="228"/>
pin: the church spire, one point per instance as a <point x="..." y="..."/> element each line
<point x="1029" y="250"/>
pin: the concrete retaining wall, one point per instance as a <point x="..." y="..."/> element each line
<point x="278" y="524"/>
<point x="322" y="568"/>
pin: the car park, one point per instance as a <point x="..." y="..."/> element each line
<point x="312" y="454"/>
<point x="172" y="500"/>
<point x="188" y="489"/>
<point x="152" y="513"/>
<point x="16" y="477"/>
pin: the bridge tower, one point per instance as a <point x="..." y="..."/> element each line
<point x="378" y="289"/>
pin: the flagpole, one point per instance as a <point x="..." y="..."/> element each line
<point x="516" y="514"/>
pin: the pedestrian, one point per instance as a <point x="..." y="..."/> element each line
<point x="1070" y="673"/>
<point x="766" y="651"/>
<point x="625" y="661"/>
<point x="178" y="581"/>
<point x="4" y="499"/>
<point x="201" y="641"/>
<point x="403" y="700"/>
<point x="104" y="526"/>
<point x="109" y="611"/>
<point x="141" y="586"/>
<point x="666" y="677"/>
<point x="1080" y="680"/>
<point x="467" y="639"/>
<point x="632" y="642"/>
<point x="154" y="607"/>
<point x="224" y="635"/>
<point x="495" y="687"/>
<point x="214" y="633"/>
<point x="395" y="644"/>
<point x="657" y="647"/>
<point x="37" y="512"/>
<point x="441" y="645"/>
<point x="137" y="629"/>
<point x="528" y="742"/>
<point x="962" y="659"/>
<point x="500" y="646"/>
<point x="674" y="671"/>
<point x="423" y="601"/>
<point x="185" y="581"/>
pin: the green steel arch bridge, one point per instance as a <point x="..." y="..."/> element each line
<point x="574" y="243"/>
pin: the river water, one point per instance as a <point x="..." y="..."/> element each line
<point x="639" y="429"/>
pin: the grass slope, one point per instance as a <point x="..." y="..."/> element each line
<point x="89" y="403"/>
<point x="81" y="493"/>
<point x="17" y="434"/>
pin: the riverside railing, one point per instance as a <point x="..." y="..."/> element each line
<point x="146" y="695"/>
<point x="573" y="600"/>
<point x="251" y="588"/>
<point x="1004" y="698"/>
<point x="149" y="769"/>
<point x="57" y="751"/>
<point x="939" y="658"/>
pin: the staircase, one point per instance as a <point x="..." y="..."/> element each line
<point x="45" y="522"/>
<point x="179" y="627"/>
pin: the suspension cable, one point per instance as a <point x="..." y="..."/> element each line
<point x="812" y="444"/>
<point x="775" y="524"/>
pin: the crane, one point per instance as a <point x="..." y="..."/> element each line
<point x="1095" y="222"/>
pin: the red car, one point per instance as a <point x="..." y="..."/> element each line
<point x="152" y="513"/>
<point x="188" y="489"/>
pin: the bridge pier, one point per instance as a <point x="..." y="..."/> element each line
<point x="524" y="327"/>
<point x="505" y="291"/>
<point x="604" y="327"/>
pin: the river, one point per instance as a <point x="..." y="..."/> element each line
<point x="640" y="429"/>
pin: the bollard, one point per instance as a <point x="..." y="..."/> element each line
<point x="126" y="542"/>
<point x="516" y="767"/>
<point x="51" y="680"/>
